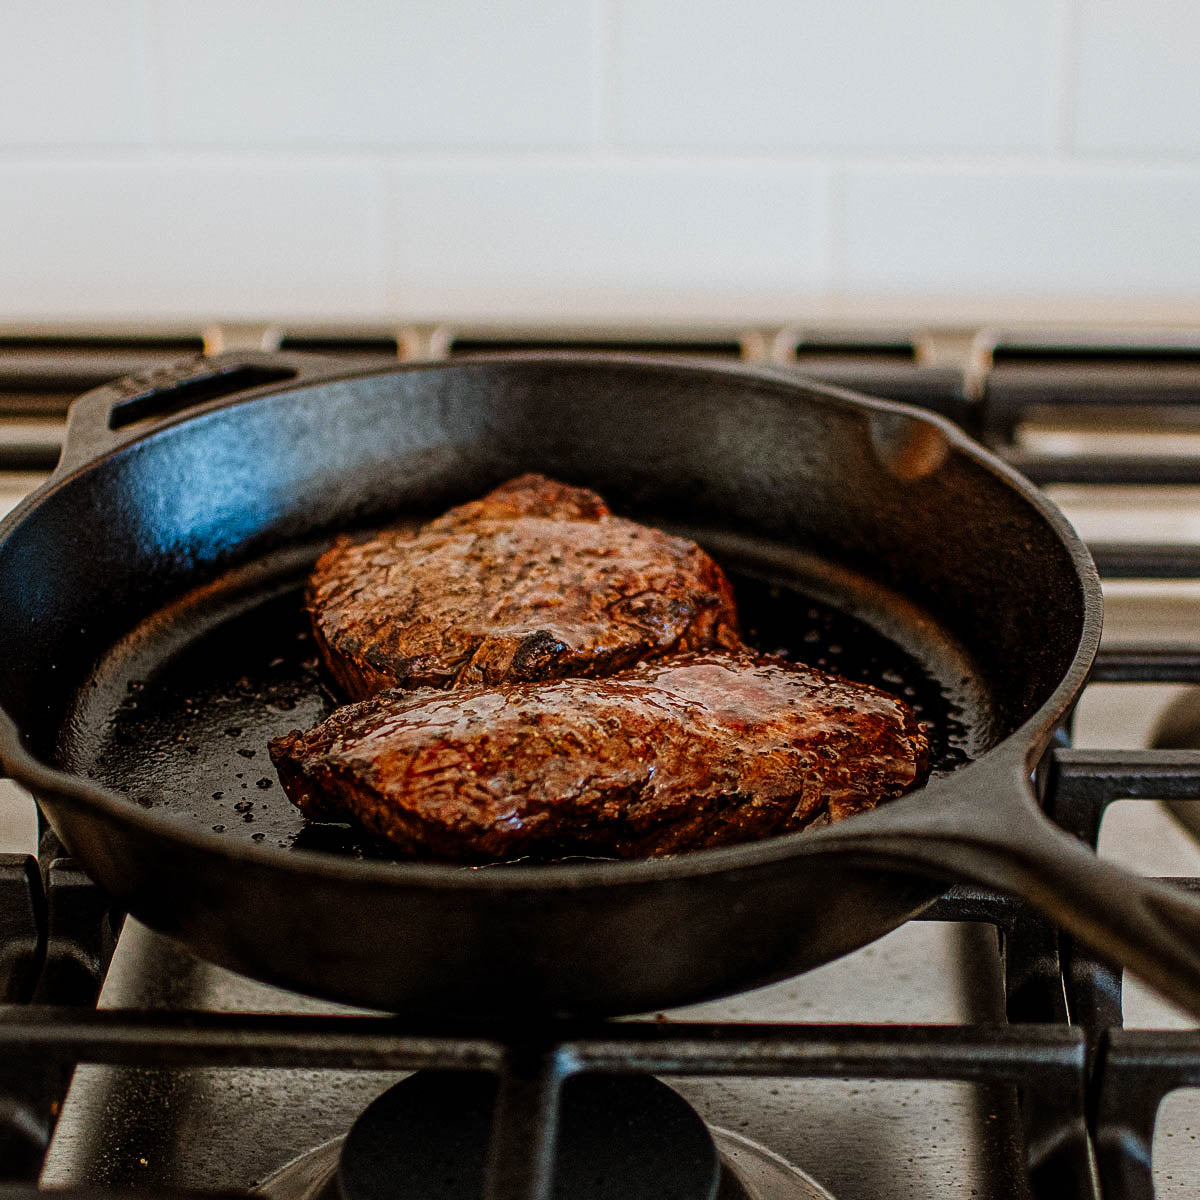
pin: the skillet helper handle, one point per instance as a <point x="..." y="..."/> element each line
<point x="109" y="416"/>
<point x="1000" y="838"/>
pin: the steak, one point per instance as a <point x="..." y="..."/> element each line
<point x="536" y="580"/>
<point x="696" y="751"/>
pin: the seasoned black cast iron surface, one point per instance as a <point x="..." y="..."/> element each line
<point x="183" y="725"/>
<point x="148" y="609"/>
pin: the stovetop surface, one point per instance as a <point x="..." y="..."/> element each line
<point x="859" y="1139"/>
<point x="213" y="1128"/>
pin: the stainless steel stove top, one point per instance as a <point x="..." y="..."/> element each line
<point x="211" y="1128"/>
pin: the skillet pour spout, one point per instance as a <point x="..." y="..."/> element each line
<point x="187" y="500"/>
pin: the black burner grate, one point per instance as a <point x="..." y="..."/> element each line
<point x="1088" y="1090"/>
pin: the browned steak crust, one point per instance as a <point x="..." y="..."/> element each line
<point x="696" y="751"/>
<point x="536" y="580"/>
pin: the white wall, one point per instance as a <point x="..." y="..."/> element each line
<point x="579" y="158"/>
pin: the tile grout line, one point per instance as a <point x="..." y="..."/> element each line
<point x="602" y="59"/>
<point x="151" y="67"/>
<point x="84" y="157"/>
<point x="1066" y="100"/>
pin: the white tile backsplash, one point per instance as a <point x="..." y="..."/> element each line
<point x="427" y="73"/>
<point x="562" y="158"/>
<point x="927" y="75"/>
<point x="73" y="73"/>
<point x="1091" y="231"/>
<point x="126" y="238"/>
<point x="1139" y="78"/>
<point x="512" y="238"/>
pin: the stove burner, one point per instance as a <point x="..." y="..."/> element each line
<point x="620" y="1137"/>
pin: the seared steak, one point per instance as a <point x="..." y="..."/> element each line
<point x="536" y="580"/>
<point x="696" y="751"/>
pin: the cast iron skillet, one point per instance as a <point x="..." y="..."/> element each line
<point x="150" y="630"/>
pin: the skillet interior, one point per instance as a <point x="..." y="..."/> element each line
<point x="178" y="715"/>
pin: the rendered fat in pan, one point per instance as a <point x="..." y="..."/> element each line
<point x="189" y="505"/>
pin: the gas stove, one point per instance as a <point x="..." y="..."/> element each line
<point x="973" y="1053"/>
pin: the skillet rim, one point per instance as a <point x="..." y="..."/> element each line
<point x="1018" y="747"/>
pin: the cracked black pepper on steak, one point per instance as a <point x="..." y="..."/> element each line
<point x="536" y="580"/>
<point x="539" y="678"/>
<point x="680" y="754"/>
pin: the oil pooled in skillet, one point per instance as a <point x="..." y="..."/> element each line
<point x="778" y="619"/>
<point x="191" y="739"/>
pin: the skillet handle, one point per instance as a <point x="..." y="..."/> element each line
<point x="107" y="417"/>
<point x="997" y="836"/>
